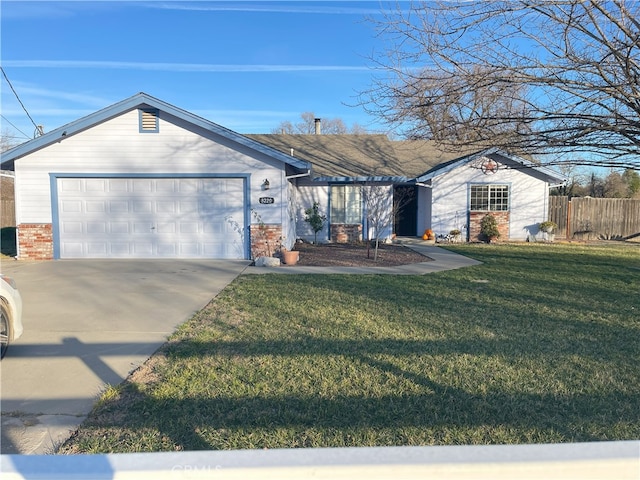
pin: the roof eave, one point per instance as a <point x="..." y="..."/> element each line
<point x="552" y="177"/>
<point x="133" y="102"/>
<point x="362" y="179"/>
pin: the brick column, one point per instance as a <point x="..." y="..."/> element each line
<point x="265" y="239"/>
<point x="35" y="241"/>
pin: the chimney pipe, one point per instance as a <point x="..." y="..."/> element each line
<point x="318" y="122"/>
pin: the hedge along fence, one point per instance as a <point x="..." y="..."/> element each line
<point x="585" y="218"/>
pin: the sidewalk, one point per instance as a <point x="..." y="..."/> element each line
<point x="441" y="260"/>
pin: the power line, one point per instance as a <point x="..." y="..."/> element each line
<point x="9" y="122"/>
<point x="38" y="129"/>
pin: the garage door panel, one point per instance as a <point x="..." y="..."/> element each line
<point x="166" y="228"/>
<point x="97" y="249"/>
<point x="143" y="228"/>
<point x="214" y="228"/>
<point x="150" y="217"/>
<point x="164" y="206"/>
<point x="96" y="185"/>
<point x="118" y="206"/>
<point x="69" y="185"/>
<point x="96" y="227"/>
<point x="118" y="228"/>
<point x="117" y="185"/>
<point x="96" y="206"/>
<point x="119" y="249"/>
<point x="142" y="185"/>
<point x="72" y="228"/>
<point x="166" y="249"/>
<point x="142" y="206"/>
<point x="71" y="206"/>
<point x="142" y="249"/>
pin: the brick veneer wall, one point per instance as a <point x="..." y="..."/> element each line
<point x="35" y="241"/>
<point x="346" y="233"/>
<point x="265" y="239"/>
<point x="474" y="225"/>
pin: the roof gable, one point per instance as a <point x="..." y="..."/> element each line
<point x="510" y="162"/>
<point x="143" y="100"/>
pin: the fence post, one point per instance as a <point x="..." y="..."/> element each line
<point x="568" y="229"/>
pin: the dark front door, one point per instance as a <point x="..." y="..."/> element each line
<point x="405" y="206"/>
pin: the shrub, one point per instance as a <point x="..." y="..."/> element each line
<point x="489" y="227"/>
<point x="315" y="219"/>
<point x="547" y="227"/>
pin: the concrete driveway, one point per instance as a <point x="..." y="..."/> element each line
<point x="89" y="323"/>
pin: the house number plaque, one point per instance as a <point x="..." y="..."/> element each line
<point x="266" y="200"/>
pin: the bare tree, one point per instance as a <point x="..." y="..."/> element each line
<point x="307" y="126"/>
<point x="381" y="209"/>
<point x="535" y="76"/>
<point x="7" y="141"/>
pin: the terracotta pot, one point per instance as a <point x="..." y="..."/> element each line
<point x="290" y="257"/>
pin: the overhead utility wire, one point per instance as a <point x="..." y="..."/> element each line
<point x="38" y="130"/>
<point x="9" y="122"/>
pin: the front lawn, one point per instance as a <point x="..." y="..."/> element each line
<point x="538" y="344"/>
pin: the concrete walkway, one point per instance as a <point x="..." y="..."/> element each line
<point x="441" y="260"/>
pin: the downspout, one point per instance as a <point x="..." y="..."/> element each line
<point x="307" y="174"/>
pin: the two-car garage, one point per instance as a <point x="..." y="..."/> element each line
<point x="149" y="217"/>
<point x="143" y="179"/>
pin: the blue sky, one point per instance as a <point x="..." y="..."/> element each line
<point x="246" y="65"/>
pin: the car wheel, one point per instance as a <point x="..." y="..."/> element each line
<point x="4" y="331"/>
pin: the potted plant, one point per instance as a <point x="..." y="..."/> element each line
<point x="455" y="235"/>
<point x="489" y="228"/>
<point x="547" y="226"/>
<point x="549" y="229"/>
<point x="290" y="257"/>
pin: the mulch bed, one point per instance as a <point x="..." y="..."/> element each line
<point x="356" y="255"/>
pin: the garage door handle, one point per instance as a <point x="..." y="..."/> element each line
<point x="153" y="228"/>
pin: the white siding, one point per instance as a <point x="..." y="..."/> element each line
<point x="117" y="147"/>
<point x="528" y="202"/>
<point x="380" y="199"/>
<point x="306" y="195"/>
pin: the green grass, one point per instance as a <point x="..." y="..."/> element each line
<point x="538" y="344"/>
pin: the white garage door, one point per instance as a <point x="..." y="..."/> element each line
<point x="151" y="217"/>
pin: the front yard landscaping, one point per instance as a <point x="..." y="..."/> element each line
<point x="538" y="344"/>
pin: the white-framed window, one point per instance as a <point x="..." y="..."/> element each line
<point x="346" y="204"/>
<point x="489" y="198"/>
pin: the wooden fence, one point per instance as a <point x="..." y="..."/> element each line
<point x="595" y="218"/>
<point x="7" y="213"/>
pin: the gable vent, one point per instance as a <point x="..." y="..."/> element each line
<point x="149" y="121"/>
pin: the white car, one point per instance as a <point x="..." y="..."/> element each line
<point x="10" y="313"/>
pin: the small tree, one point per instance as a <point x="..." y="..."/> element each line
<point x="489" y="227"/>
<point x="381" y="210"/>
<point x="315" y="219"/>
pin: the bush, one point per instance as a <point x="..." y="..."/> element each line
<point x="547" y="227"/>
<point x="315" y="219"/>
<point x="489" y="228"/>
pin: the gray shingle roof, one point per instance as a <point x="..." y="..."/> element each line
<point x="359" y="155"/>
